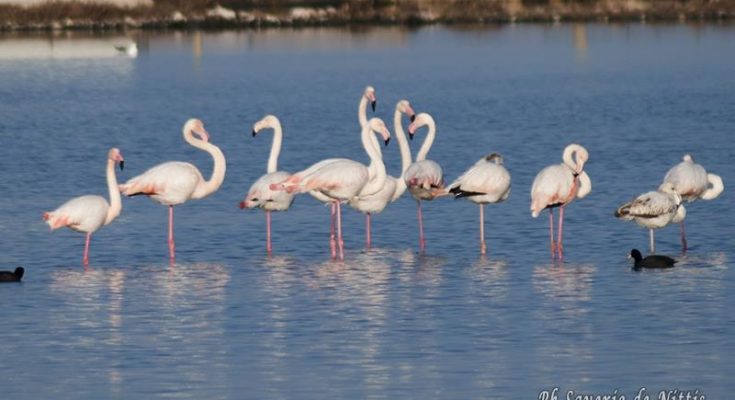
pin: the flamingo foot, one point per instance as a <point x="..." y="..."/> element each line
<point x="483" y="248"/>
<point x="422" y="244"/>
<point x="85" y="261"/>
<point x="333" y="247"/>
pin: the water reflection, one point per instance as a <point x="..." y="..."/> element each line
<point x="67" y="47"/>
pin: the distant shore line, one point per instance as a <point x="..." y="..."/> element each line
<point x="85" y="15"/>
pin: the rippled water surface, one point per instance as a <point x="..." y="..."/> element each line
<point x="226" y="321"/>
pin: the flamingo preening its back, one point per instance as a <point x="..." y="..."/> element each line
<point x="485" y="182"/>
<point x="692" y="182"/>
<point x="91" y="212"/>
<point x="175" y="182"/>
<point x="556" y="186"/>
<point x="260" y="194"/>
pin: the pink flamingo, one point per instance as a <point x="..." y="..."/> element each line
<point x="340" y="179"/>
<point x="393" y="187"/>
<point x="692" y="182"/>
<point x="424" y="178"/>
<point x="556" y="186"/>
<point x="174" y="182"/>
<point x="89" y="213"/>
<point x="260" y="194"/>
<point x="485" y="182"/>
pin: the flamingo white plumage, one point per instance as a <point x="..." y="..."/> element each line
<point x="556" y="186"/>
<point x="424" y="178"/>
<point x="175" y="182"/>
<point x="692" y="182"/>
<point x="486" y="182"/>
<point x="340" y="179"/>
<point x="90" y="212"/>
<point x="654" y="210"/>
<point x="393" y="187"/>
<point x="260" y="194"/>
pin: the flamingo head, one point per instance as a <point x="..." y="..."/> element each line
<point x="575" y="156"/>
<point x="269" y="121"/>
<point x="670" y="188"/>
<point x="116" y="156"/>
<point x="494" y="158"/>
<point x="370" y="96"/>
<point x="405" y="107"/>
<point x="422" y="119"/>
<point x="688" y="158"/>
<point x="378" y="126"/>
<point x="196" y="127"/>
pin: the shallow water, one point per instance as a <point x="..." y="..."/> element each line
<point x="228" y="322"/>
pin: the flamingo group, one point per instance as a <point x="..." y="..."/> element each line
<point x="369" y="188"/>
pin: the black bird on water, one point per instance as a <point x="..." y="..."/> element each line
<point x="15" y="276"/>
<point x="652" y="261"/>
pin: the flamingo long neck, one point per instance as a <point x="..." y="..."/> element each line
<point x="715" y="187"/>
<point x="206" y="188"/>
<point x="115" y="203"/>
<point x="585" y="185"/>
<point x="376" y="170"/>
<point x="426" y="146"/>
<point x="405" y="152"/>
<point x="275" y="148"/>
<point x="571" y="157"/>
<point x="362" y="111"/>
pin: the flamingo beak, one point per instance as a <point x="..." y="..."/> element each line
<point x="413" y="117"/>
<point x="387" y="141"/>
<point x="243" y="205"/>
<point x="122" y="165"/>
<point x="372" y="104"/>
<point x="254" y="133"/>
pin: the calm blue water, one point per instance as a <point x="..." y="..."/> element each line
<point x="228" y="322"/>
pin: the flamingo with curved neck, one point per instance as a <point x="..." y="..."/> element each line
<point x="424" y="178"/>
<point x="556" y="186"/>
<point x="89" y="213"/>
<point x="260" y="195"/>
<point x="175" y="182"/>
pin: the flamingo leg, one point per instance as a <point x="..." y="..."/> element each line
<point x="268" y="247"/>
<point x="368" y="236"/>
<point x="483" y="247"/>
<point x="332" y="241"/>
<point x="422" y="239"/>
<point x="171" y="245"/>
<point x="652" y="241"/>
<point x="85" y="258"/>
<point x="559" y="244"/>
<point x="340" y="241"/>
<point x="683" y="239"/>
<point x="551" y="233"/>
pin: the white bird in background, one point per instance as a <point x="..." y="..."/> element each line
<point x="424" y="178"/>
<point x="692" y="182"/>
<point x="89" y="213"/>
<point x="556" y="186"/>
<point x="175" y="182"/>
<point x="260" y="194"/>
<point x="654" y="210"/>
<point x="485" y="182"/>
<point x="340" y="179"/>
<point x="393" y="187"/>
<point x="130" y="49"/>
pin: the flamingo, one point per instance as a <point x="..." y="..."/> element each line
<point x="692" y="182"/>
<point x="423" y="178"/>
<point x="654" y="210"/>
<point x="485" y="182"/>
<point x="393" y="187"/>
<point x="556" y="186"/>
<point x="341" y="179"/>
<point x="90" y="212"/>
<point x="174" y="182"/>
<point x="260" y="195"/>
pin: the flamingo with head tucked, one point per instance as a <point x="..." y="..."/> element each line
<point x="485" y="182"/>
<point x="556" y="186"/>
<point x="341" y="179"/>
<point x="260" y="194"/>
<point x="175" y="182"/>
<point x="692" y="182"/>
<point x="424" y="178"/>
<point x="89" y="213"/>
<point x="393" y="187"/>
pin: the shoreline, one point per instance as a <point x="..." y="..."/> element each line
<point x="77" y="15"/>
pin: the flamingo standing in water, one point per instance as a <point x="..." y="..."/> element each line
<point x="260" y="194"/>
<point x="654" y="210"/>
<point x="485" y="182"/>
<point x="341" y="179"/>
<point x="556" y="186"/>
<point x="393" y="187"/>
<point x="174" y="182"/>
<point x="423" y="178"/>
<point x="692" y="182"/>
<point x="89" y="213"/>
